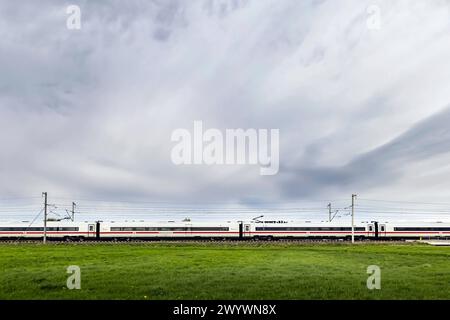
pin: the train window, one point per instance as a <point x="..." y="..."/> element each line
<point x="121" y="229"/>
<point x="247" y="228"/>
<point x="91" y="228"/>
<point x="69" y="229"/>
<point x="171" y="229"/>
<point x="309" y="229"/>
<point x="421" y="229"/>
<point x="370" y="228"/>
<point x="38" y="229"/>
<point x="184" y="229"/>
<point x="209" y="229"/>
<point x="382" y="228"/>
<point x="178" y="229"/>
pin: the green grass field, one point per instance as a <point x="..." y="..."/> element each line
<point x="224" y="271"/>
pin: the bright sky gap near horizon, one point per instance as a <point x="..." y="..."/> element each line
<point x="27" y="209"/>
<point x="88" y="114"/>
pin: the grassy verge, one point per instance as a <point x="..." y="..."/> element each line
<point x="224" y="271"/>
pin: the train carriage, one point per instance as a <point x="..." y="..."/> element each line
<point x="416" y="230"/>
<point x="307" y="229"/>
<point x="168" y="229"/>
<point x="55" y="229"/>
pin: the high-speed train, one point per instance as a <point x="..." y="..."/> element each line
<point x="252" y="229"/>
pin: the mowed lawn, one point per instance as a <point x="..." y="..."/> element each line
<point x="224" y="271"/>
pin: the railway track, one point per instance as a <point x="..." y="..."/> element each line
<point x="235" y="242"/>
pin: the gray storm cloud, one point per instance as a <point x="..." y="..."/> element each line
<point x="90" y="112"/>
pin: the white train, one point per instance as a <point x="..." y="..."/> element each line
<point x="252" y="229"/>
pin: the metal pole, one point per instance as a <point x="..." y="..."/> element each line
<point x="353" y="217"/>
<point x="73" y="210"/>
<point x="45" y="216"/>
<point x="329" y="212"/>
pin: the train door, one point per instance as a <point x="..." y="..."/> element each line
<point x="91" y="231"/>
<point x="371" y="230"/>
<point x="247" y="232"/>
<point x="382" y="230"/>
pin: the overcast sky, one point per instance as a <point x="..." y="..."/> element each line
<point x="90" y="112"/>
